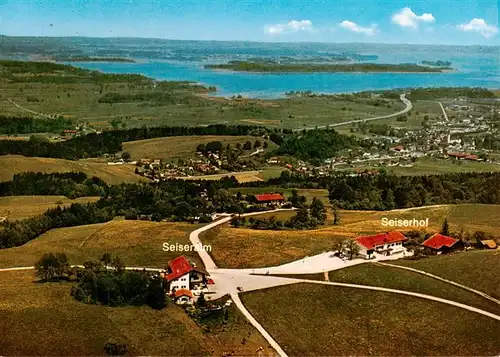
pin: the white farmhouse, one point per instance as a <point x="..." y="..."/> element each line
<point x="388" y="243"/>
<point x="183" y="275"/>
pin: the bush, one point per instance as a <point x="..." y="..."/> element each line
<point x="115" y="349"/>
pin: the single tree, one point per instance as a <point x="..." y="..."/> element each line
<point x="200" y="148"/>
<point x="336" y="216"/>
<point x="156" y="293"/>
<point x="247" y="146"/>
<point x="445" y="228"/>
<point x="257" y="144"/>
<point x="106" y="259"/>
<point x="338" y="244"/>
<point x="294" y="197"/>
<point x="318" y="211"/>
<point x="201" y="302"/>
<point x="351" y="247"/>
<point x="46" y="267"/>
<point x="126" y="156"/>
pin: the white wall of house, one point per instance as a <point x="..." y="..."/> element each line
<point x="362" y="250"/>
<point x="396" y="247"/>
<point x="180" y="283"/>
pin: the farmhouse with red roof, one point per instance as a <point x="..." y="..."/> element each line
<point x="383" y="243"/>
<point x="270" y="199"/>
<point x="183" y="275"/>
<point x="441" y="243"/>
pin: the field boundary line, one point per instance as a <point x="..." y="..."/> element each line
<point x="486" y="296"/>
<point x="404" y="292"/>
<point x="237" y="301"/>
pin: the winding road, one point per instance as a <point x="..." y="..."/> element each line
<point x="233" y="281"/>
<point x="402" y="97"/>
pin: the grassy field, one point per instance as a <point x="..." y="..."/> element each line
<point x="21" y="207"/>
<point x="265" y="173"/>
<point x="183" y="147"/>
<point x="476" y="269"/>
<point x="13" y="164"/>
<point x="325" y="320"/>
<point x="394" y="278"/>
<point x="429" y="166"/>
<point x="44" y="320"/>
<point x="138" y="243"/>
<point x="80" y="100"/>
<point x="244" y="247"/>
<point x="414" y="121"/>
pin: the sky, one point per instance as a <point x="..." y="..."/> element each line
<point x="458" y="22"/>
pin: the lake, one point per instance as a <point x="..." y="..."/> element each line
<point x="476" y="66"/>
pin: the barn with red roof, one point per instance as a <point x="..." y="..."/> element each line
<point x="270" y="198"/>
<point x="387" y="243"/>
<point x="441" y="243"/>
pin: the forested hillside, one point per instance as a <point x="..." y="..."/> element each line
<point x="381" y="192"/>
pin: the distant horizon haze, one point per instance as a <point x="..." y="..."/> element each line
<point x="440" y="22"/>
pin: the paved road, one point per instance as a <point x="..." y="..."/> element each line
<point x="405" y="101"/>
<point x="228" y="281"/>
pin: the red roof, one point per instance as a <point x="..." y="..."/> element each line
<point x="183" y="292"/>
<point x="398" y="148"/>
<point x="370" y="242"/>
<point x="266" y="197"/>
<point x="438" y="241"/>
<point x="178" y="267"/>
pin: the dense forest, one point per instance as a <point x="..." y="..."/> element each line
<point x="27" y="125"/>
<point x="385" y="192"/>
<point x="266" y="67"/>
<point x="110" y="142"/>
<point x="439" y="92"/>
<point x="318" y="144"/>
<point x="70" y="184"/>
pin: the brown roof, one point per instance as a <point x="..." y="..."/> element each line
<point x="183" y="292"/>
<point x="490" y="243"/>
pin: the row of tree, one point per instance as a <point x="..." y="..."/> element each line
<point x="25" y="125"/>
<point x="104" y="281"/>
<point x="306" y="217"/>
<point x="69" y="184"/>
<point x="110" y="142"/>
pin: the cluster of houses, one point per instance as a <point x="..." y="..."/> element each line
<point x="186" y="282"/>
<point x="391" y="243"/>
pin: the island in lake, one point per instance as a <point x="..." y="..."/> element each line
<point x="438" y="63"/>
<point x="95" y="59"/>
<point x="270" y="67"/>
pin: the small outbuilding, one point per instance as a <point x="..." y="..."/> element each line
<point x="441" y="243"/>
<point x="489" y="244"/>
